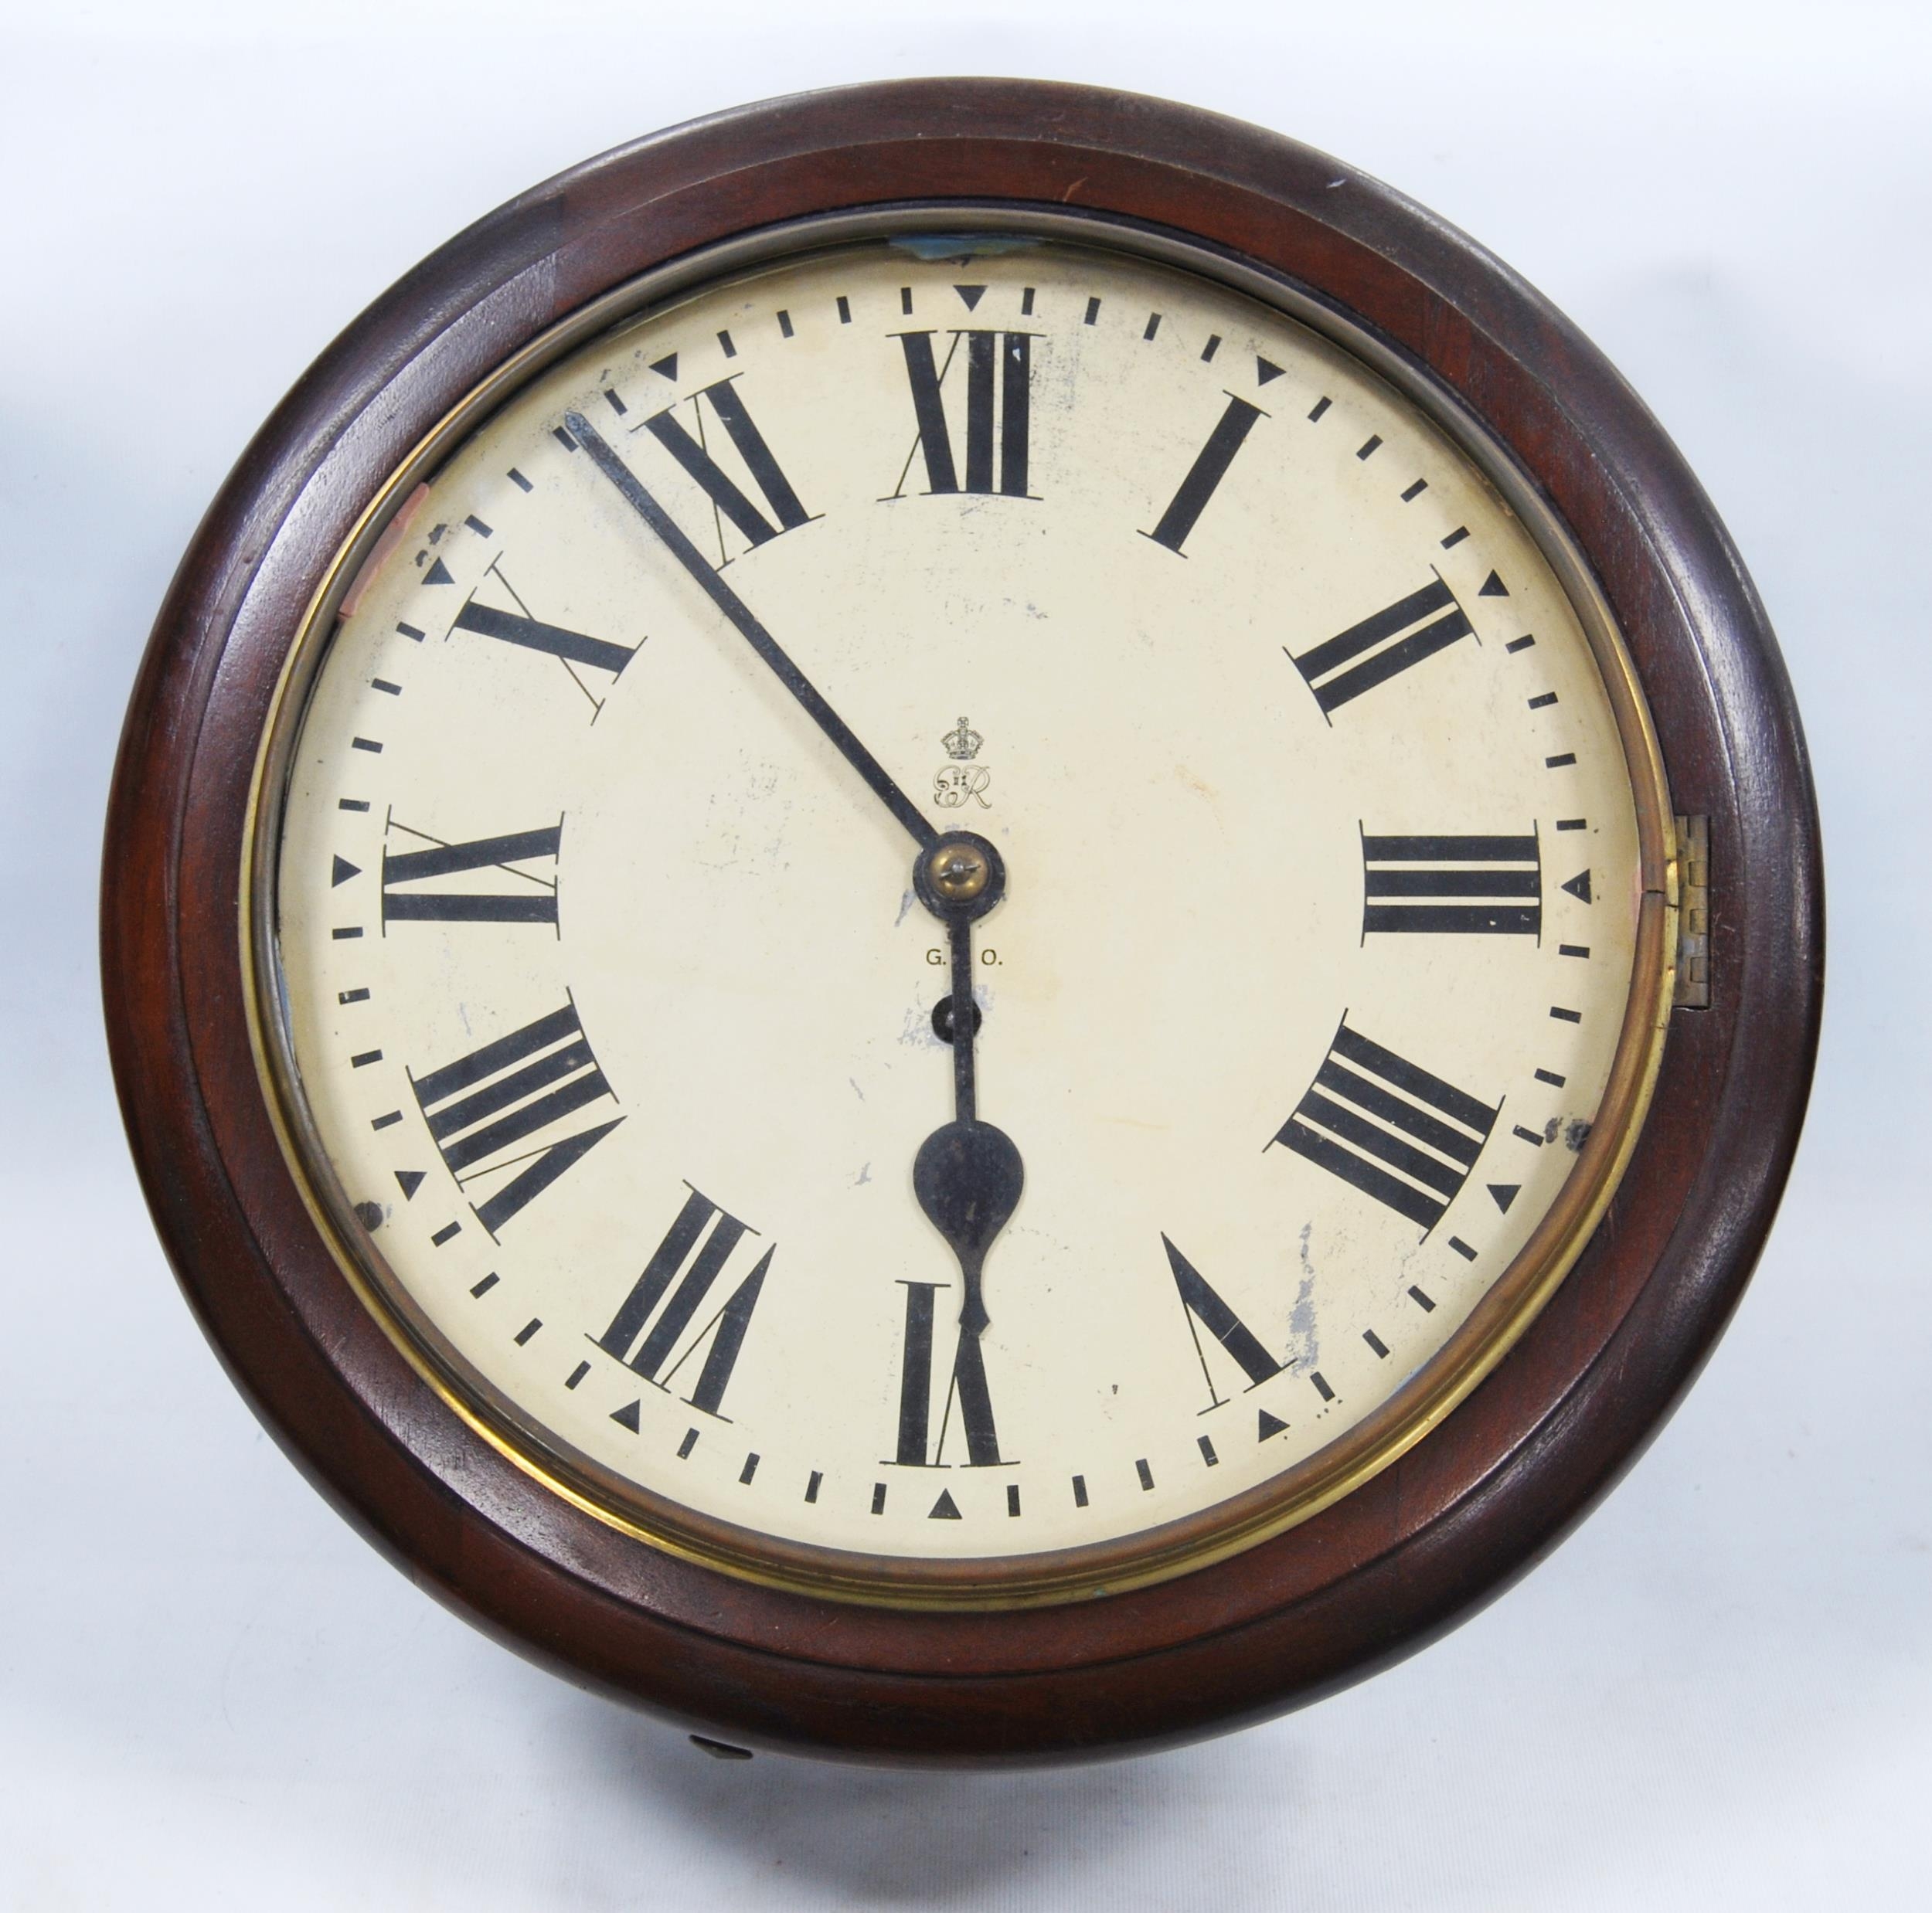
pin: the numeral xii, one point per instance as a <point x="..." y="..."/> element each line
<point x="992" y="358"/>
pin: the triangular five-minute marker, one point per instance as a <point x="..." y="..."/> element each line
<point x="1579" y="886"/>
<point x="342" y="871"/>
<point x="943" y="1509"/>
<point x="972" y="295"/>
<point x="438" y="574"/>
<point x="626" y="1416"/>
<point x="1267" y="1426"/>
<point x="409" y="1181"/>
<point x="1493" y="587"/>
<point x="1265" y="370"/>
<point x="666" y="367"/>
<point x="1505" y="1193"/>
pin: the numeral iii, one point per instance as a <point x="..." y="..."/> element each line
<point x="1408" y="884"/>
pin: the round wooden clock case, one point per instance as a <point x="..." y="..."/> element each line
<point x="1392" y="1562"/>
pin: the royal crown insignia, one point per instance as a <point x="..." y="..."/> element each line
<point x="963" y="743"/>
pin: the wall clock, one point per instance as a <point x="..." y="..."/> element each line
<point x="962" y="921"/>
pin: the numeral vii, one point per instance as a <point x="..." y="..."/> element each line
<point x="482" y="1107"/>
<point x="994" y="462"/>
<point x="917" y="1447"/>
<point x="535" y="901"/>
<point x="1425" y="622"/>
<point x="696" y="1270"/>
<point x="1393" y="1130"/>
<point x="1407" y="883"/>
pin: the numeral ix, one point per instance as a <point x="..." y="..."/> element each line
<point x="403" y="870"/>
<point x="1391" y="1129"/>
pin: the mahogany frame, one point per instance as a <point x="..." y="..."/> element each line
<point x="1370" y="1578"/>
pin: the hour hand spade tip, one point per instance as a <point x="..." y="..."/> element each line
<point x="968" y="1174"/>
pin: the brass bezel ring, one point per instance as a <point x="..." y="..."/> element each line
<point x="1512" y="1303"/>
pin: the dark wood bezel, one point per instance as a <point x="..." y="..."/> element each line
<point x="1395" y="1563"/>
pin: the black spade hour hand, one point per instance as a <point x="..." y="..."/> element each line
<point x="878" y="781"/>
<point x="968" y="1174"/>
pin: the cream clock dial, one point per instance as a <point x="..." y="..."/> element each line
<point x="913" y="623"/>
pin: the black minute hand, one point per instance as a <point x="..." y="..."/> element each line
<point x="877" y="778"/>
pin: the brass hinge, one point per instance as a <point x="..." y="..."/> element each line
<point x="1693" y="914"/>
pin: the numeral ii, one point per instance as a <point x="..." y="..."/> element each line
<point x="1395" y="640"/>
<point x="1389" y="1128"/>
<point x="482" y="1107"/>
<point x="696" y="1271"/>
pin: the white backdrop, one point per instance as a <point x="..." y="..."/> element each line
<point x="212" y="1694"/>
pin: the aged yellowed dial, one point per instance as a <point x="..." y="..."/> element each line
<point x="608" y="969"/>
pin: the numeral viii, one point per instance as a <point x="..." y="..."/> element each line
<point x="483" y="1107"/>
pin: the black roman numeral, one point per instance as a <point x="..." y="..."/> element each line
<point x="535" y="903"/>
<point x="994" y="462"/>
<point x="1205" y="1309"/>
<point x="573" y="649"/>
<point x="1406" y="882"/>
<point x="696" y="1271"/>
<point x="916" y="1446"/>
<point x="482" y="1107"/>
<point x="1209" y="468"/>
<point x="1425" y="622"/>
<point x="1396" y="1132"/>
<point x="728" y="499"/>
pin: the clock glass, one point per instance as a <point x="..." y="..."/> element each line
<point x="959" y="919"/>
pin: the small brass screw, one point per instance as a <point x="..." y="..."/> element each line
<point x="959" y="872"/>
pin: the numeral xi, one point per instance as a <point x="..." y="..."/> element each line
<point x="727" y="497"/>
